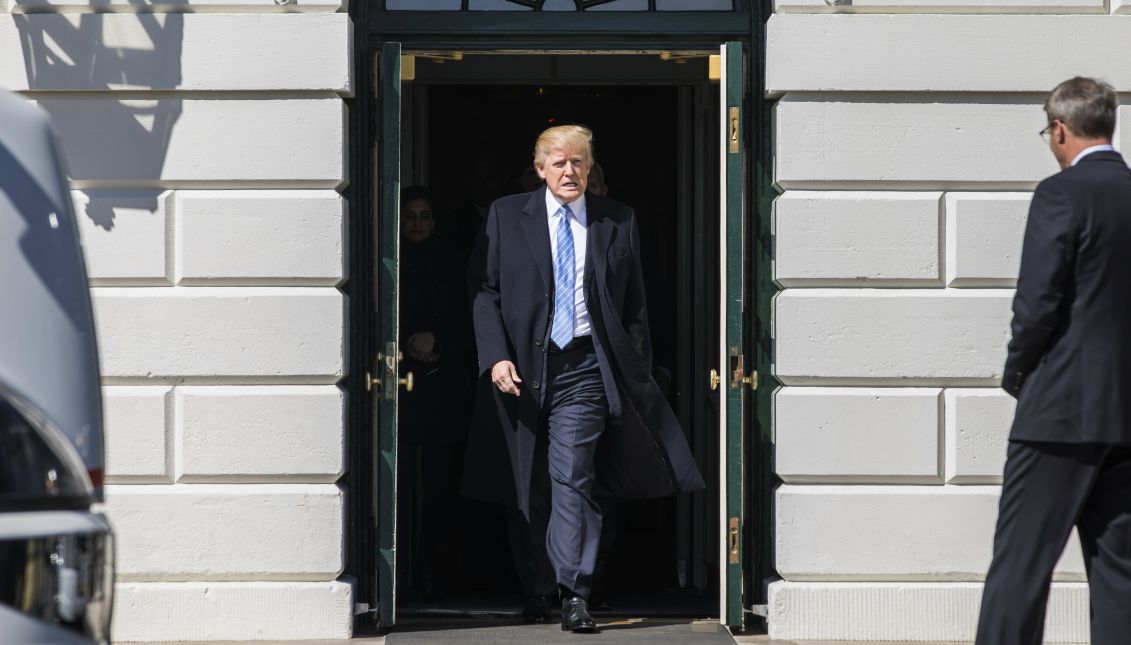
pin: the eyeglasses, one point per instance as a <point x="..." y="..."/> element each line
<point x="1046" y="134"/>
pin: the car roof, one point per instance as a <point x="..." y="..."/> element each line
<point x="48" y="352"/>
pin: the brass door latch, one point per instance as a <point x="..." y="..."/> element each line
<point x="738" y="375"/>
<point x="389" y="358"/>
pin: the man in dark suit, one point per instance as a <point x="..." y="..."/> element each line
<point x="562" y="332"/>
<point x="1069" y="365"/>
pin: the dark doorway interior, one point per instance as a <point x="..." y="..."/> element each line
<point x="656" y="147"/>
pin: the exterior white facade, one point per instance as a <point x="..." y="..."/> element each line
<point x="906" y="145"/>
<point x="206" y="141"/>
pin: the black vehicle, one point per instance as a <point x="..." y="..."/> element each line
<point x="56" y="551"/>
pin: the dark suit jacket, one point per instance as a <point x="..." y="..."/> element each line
<point x="1069" y="362"/>
<point x="643" y="451"/>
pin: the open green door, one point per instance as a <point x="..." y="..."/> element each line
<point x="384" y="385"/>
<point x="736" y="380"/>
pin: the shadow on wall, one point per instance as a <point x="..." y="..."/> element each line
<point x="108" y="140"/>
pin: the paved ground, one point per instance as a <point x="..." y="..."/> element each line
<point x="614" y="631"/>
<point x="657" y="632"/>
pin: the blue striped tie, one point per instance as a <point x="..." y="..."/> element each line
<point x="564" y="275"/>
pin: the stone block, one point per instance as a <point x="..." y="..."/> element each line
<point x="123" y="236"/>
<point x="232" y="611"/>
<point x="294" y="334"/>
<point x="174" y="50"/>
<point x="168" y="139"/>
<point x="193" y="6"/>
<point x="886" y="336"/>
<point x="984" y="232"/>
<point x="216" y="532"/>
<point x="260" y="236"/>
<point x="857" y="435"/>
<point x="1123" y="120"/>
<point x="857" y="238"/>
<point x="879" y="611"/>
<point x="977" y="432"/>
<point x="944" y="53"/>
<point x="890" y="533"/>
<point x="276" y="431"/>
<point x="943" y="6"/>
<point x="856" y="142"/>
<point x="134" y="422"/>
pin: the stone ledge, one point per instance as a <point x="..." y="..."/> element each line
<point x="880" y="435"/>
<point x="833" y="140"/>
<point x="45" y="52"/>
<point x="906" y="611"/>
<point x="171" y="6"/>
<point x="864" y="239"/>
<point x="943" y="53"/>
<point x="232" y="611"/>
<point x="838" y="533"/>
<point x="228" y="533"/>
<point x="226" y="333"/>
<point x="901" y="336"/>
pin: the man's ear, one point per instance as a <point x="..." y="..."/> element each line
<point x="541" y="170"/>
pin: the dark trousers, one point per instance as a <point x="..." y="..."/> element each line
<point x="1048" y="488"/>
<point x="528" y="537"/>
<point x="575" y="410"/>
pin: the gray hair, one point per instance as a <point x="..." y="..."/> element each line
<point x="1086" y="105"/>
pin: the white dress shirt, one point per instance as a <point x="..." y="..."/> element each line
<point x="578" y="225"/>
<point x="1103" y="147"/>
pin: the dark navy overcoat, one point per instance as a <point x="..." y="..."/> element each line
<point x="643" y="451"/>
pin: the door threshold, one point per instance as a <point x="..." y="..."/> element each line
<point x="669" y="604"/>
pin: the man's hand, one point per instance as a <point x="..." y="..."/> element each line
<point x="505" y="377"/>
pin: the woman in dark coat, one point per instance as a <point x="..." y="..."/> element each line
<point x="433" y="418"/>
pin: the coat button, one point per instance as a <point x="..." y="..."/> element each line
<point x="536" y="384"/>
<point x="538" y="342"/>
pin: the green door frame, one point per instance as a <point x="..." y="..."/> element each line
<point x="733" y="342"/>
<point x="481" y="31"/>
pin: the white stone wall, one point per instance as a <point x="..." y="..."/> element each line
<point x="906" y="145"/>
<point x="206" y="142"/>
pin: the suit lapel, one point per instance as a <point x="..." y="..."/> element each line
<point x="536" y="225"/>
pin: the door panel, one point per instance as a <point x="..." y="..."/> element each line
<point x="735" y="379"/>
<point x="384" y="383"/>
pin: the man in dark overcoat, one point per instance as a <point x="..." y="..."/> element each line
<point x="561" y="329"/>
<point x="1069" y="365"/>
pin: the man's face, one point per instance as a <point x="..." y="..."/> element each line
<point x="566" y="173"/>
<point x="1057" y="137"/>
<point x="416" y="220"/>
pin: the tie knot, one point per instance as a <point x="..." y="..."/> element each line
<point x="565" y="211"/>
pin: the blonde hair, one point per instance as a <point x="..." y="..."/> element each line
<point x="564" y="137"/>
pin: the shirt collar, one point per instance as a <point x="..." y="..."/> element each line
<point x="577" y="206"/>
<point x="1103" y="147"/>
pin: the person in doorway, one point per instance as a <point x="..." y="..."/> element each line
<point x="432" y="418"/>
<point x="561" y="329"/>
<point x="527" y="539"/>
<point x="487" y="182"/>
<point x="597" y="185"/>
<point x="1069" y="365"/>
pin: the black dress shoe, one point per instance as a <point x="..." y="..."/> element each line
<point x="537" y="610"/>
<point x="575" y="616"/>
